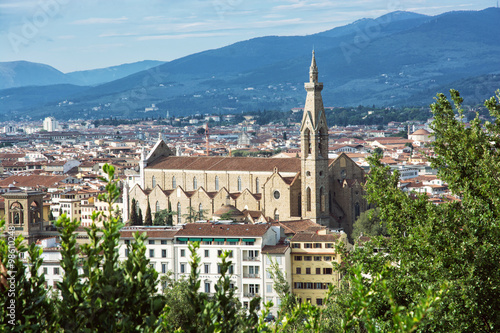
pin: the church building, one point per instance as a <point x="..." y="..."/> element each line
<point x="312" y="186"/>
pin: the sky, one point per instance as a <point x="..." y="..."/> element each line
<point x="73" y="35"/>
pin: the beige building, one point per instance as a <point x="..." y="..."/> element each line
<point x="326" y="191"/>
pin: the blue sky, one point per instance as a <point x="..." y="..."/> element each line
<point x="75" y="35"/>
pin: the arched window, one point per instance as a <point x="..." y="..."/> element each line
<point x="216" y="183"/>
<point x="153" y="182"/>
<point x="200" y="212"/>
<point x="299" y="204"/>
<point x="195" y="183"/>
<point x="157" y="206"/>
<point x="307" y="142"/>
<point x="174" y="182"/>
<point x="330" y="201"/>
<point x="323" y="143"/>
<point x="276" y="215"/>
<point x="321" y="200"/>
<point x="257" y="185"/>
<point x="178" y="213"/>
<point x="356" y="210"/>
<point x="308" y="198"/>
<point x="239" y="184"/>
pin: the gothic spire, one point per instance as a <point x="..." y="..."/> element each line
<point x="313" y="70"/>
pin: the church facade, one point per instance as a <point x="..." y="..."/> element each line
<point x="314" y="187"/>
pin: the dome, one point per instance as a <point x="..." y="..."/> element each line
<point x="230" y="210"/>
<point x="420" y="132"/>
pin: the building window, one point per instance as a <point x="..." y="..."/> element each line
<point x="153" y="182"/>
<point x="151" y="241"/>
<point x="163" y="253"/>
<point x="178" y="213"/>
<point x="157" y="206"/>
<point x="327" y="271"/>
<point x="200" y="212"/>
<point x="295" y="245"/>
<point x="321" y="200"/>
<point x="163" y="242"/>
<point x="317" y="258"/>
<point x="239" y="184"/>
<point x="56" y="270"/>
<point x="183" y="268"/>
<point x="356" y="210"/>
<point x="319" y="301"/>
<point x="127" y="252"/>
<point x="308" y="270"/>
<point x="276" y="194"/>
<point x="207" y="287"/>
<point x="318" y="270"/>
<point x="257" y="185"/>
<point x="269" y="288"/>
<point x="206" y="268"/>
<point x="327" y="258"/>
<point x="183" y="253"/>
<point x="195" y="183"/>
<point x="307" y="245"/>
<point x="216" y="183"/>
<point x="151" y="253"/>
<point x="297" y="258"/>
<point x="317" y="245"/>
<point x="207" y="253"/>
<point x="307" y="258"/>
<point x="45" y="270"/>
<point x="164" y="268"/>
<point x="329" y="245"/>
<point x="276" y="215"/>
<point x="253" y="289"/>
<point x="174" y="182"/>
<point x="308" y="198"/>
<point x="298" y="270"/>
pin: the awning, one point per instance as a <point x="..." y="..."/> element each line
<point x="195" y="239"/>
<point x="182" y="239"/>
<point x="219" y="239"/>
<point x="249" y="239"/>
<point x="233" y="240"/>
<point x="207" y="239"/>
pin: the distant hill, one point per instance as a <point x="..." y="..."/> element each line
<point x="398" y="59"/>
<point x="24" y="73"/>
<point x="103" y="75"/>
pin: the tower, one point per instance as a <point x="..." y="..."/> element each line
<point x="314" y="148"/>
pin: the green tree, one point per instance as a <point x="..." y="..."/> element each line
<point x="148" y="219"/>
<point x="454" y="244"/>
<point x="164" y="217"/>
<point x="140" y="220"/>
<point x="108" y="295"/>
<point x="51" y="216"/>
<point x="369" y="224"/>
<point x="134" y="218"/>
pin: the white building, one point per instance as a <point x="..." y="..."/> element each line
<point x="50" y="124"/>
<point x="251" y="248"/>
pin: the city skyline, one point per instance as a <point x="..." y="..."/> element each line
<point x="73" y="36"/>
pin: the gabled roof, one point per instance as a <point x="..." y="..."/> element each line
<point x="215" y="163"/>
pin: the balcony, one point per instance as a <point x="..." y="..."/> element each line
<point x="251" y="295"/>
<point x="251" y="276"/>
<point x="251" y="258"/>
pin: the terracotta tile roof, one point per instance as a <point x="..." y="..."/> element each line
<point x="32" y="180"/>
<point x="223" y="230"/>
<point x="226" y="163"/>
<point x="275" y="249"/>
<point x="296" y="226"/>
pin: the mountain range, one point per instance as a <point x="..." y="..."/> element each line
<point x="398" y="59"/>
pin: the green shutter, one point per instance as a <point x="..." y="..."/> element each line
<point x="219" y="239"/>
<point x="195" y="239"/>
<point x="182" y="239"/>
<point x="249" y="239"/>
<point x="207" y="239"/>
<point x="233" y="240"/>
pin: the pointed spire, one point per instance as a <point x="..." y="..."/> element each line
<point x="313" y="70"/>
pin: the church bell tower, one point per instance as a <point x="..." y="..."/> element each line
<point x="314" y="149"/>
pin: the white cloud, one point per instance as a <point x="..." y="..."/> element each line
<point x="182" y="36"/>
<point x="102" y="20"/>
<point x="113" y="34"/>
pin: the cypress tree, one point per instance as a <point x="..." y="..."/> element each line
<point x="148" y="220"/>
